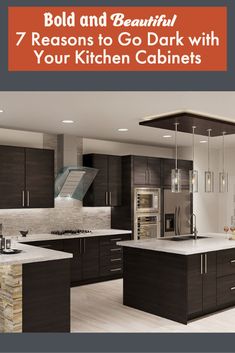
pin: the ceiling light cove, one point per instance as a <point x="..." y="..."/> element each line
<point x="123" y="130"/>
<point x="1" y="111"/>
<point x="67" y="121"/>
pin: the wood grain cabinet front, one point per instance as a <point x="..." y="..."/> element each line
<point x="26" y="177"/>
<point x="201" y="273"/>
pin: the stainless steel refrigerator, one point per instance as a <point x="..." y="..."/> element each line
<point x="177" y="212"/>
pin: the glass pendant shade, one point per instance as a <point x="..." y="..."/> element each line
<point x="223" y="182"/>
<point x="209" y="181"/>
<point x="176" y="180"/>
<point x="193" y="181"/>
<point x="193" y="174"/>
<point x="223" y="176"/>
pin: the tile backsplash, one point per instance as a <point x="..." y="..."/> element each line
<point x="67" y="214"/>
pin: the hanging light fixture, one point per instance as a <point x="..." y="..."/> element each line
<point x="176" y="173"/>
<point x="223" y="176"/>
<point x="193" y="174"/>
<point x="209" y="175"/>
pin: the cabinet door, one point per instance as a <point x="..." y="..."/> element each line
<point x="90" y="258"/>
<point x="140" y="166"/>
<point x="195" y="284"/>
<point x="209" y="281"/>
<point x="74" y="246"/>
<point x="12" y="177"/>
<point x="97" y="194"/>
<point x="39" y="178"/>
<point x="185" y="167"/>
<point x="167" y="166"/>
<point x="154" y="171"/>
<point x="115" y="180"/>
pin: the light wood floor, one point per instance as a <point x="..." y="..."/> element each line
<point x="98" y="308"/>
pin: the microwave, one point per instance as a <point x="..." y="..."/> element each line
<point x="147" y="200"/>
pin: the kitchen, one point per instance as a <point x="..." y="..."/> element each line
<point x="126" y="162"/>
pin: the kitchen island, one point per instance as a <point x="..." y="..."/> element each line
<point x="35" y="290"/>
<point x="179" y="280"/>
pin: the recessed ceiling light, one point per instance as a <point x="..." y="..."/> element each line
<point x="166" y="136"/>
<point x="1" y="111"/>
<point x="67" y="121"/>
<point x="203" y="141"/>
<point x="123" y="129"/>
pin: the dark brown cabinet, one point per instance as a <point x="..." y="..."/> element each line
<point x="12" y="177"/>
<point x="39" y="178"/>
<point x="26" y="177"/>
<point x="94" y="258"/>
<point x="146" y="171"/>
<point x="106" y="187"/>
<point x="74" y="246"/>
<point x="168" y="165"/>
<point x="90" y="258"/>
<point x="201" y="283"/>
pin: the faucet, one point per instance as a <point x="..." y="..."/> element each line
<point x="194" y="224"/>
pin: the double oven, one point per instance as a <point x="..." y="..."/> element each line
<point x="147" y="213"/>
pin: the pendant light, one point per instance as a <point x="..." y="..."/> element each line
<point x="209" y="175"/>
<point x="193" y="174"/>
<point x="223" y="176"/>
<point x="176" y="173"/>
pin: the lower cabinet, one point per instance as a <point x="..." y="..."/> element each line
<point x="94" y="258"/>
<point x="201" y="277"/>
<point x="226" y="278"/>
<point x="46" y="296"/>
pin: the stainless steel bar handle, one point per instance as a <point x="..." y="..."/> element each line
<point x="206" y="263"/>
<point x="201" y="264"/>
<point x="28" y="198"/>
<point x="116" y="239"/>
<point x="232" y="288"/>
<point x="232" y="261"/>
<point x="115" y="269"/>
<point x="80" y="246"/>
<point x="118" y="259"/>
<point x="117" y="249"/>
<point x="23" y="198"/>
<point x="106" y="198"/>
<point x="110" y="198"/>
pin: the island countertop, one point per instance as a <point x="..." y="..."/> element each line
<point x="32" y="254"/>
<point x="213" y="242"/>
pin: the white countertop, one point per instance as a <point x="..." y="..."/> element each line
<point x="31" y="254"/>
<point x="94" y="233"/>
<point x="214" y="242"/>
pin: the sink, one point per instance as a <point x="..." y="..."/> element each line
<point x="184" y="238"/>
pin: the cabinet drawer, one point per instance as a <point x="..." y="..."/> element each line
<point x="115" y="269"/>
<point x="226" y="262"/>
<point x="111" y="260"/>
<point x="111" y="251"/>
<point x="226" y="290"/>
<point x="112" y="240"/>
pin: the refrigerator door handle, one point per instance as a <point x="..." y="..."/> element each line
<point x="176" y="223"/>
<point x="179" y="221"/>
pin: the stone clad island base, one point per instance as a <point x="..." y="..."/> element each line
<point x="35" y="297"/>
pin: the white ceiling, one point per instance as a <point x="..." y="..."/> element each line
<point x="99" y="114"/>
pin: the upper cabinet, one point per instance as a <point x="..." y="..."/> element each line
<point x="106" y="187"/>
<point x="39" y="178"/>
<point x="146" y="171"/>
<point x="26" y="177"/>
<point x="169" y="164"/>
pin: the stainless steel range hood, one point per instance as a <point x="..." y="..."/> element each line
<point x="72" y="179"/>
<point x="74" y="182"/>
